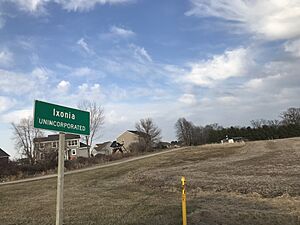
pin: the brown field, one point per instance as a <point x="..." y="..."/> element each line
<point x="252" y="183"/>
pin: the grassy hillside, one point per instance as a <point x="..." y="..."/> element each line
<point x="256" y="183"/>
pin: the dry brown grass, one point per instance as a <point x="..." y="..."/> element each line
<point x="255" y="183"/>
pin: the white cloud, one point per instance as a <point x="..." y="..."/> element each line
<point x="273" y="83"/>
<point x="63" y="86"/>
<point x="38" y="6"/>
<point x="6" y="103"/>
<point x="62" y="94"/>
<point x="232" y="63"/>
<point x="116" y="93"/>
<point x="140" y="53"/>
<point x="121" y="32"/>
<point x="26" y="43"/>
<point x="270" y="19"/>
<point x="254" y="83"/>
<point x="112" y="117"/>
<point x="83" y="87"/>
<point x="173" y="69"/>
<point x="85" y="5"/>
<point x="6" y="58"/>
<point x="31" y="5"/>
<point x="15" y="83"/>
<point x="40" y="73"/>
<point x="16" y="116"/>
<point x="83" y="44"/>
<point x="276" y="86"/>
<point x="293" y="47"/>
<point x="83" y="71"/>
<point x="96" y="88"/>
<point x="90" y="92"/>
<point x="28" y="85"/>
<point x="188" y="99"/>
<point x="227" y="100"/>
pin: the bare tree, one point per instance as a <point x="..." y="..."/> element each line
<point x="23" y="135"/>
<point x="184" y="131"/>
<point x="151" y="131"/>
<point x="291" y="116"/>
<point x="96" y="121"/>
<point x="198" y="135"/>
<point x="274" y="123"/>
<point x="258" y="123"/>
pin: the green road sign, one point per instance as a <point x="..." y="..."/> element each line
<point x="60" y="118"/>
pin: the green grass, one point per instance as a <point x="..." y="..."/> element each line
<point x="231" y="184"/>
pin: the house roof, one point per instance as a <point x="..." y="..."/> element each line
<point x="139" y="133"/>
<point x="83" y="145"/>
<point x="55" y="137"/>
<point x="100" y="146"/>
<point x="3" y="153"/>
<point x="116" y="144"/>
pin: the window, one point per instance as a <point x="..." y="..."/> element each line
<point x="73" y="151"/>
<point x="54" y="144"/>
<point x="42" y="145"/>
<point x="72" y="143"/>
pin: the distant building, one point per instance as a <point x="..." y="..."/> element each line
<point x="176" y="144"/>
<point x="47" y="147"/>
<point x="129" y="137"/>
<point x="107" y="148"/>
<point x="3" y="157"/>
<point x="232" y="140"/>
<point x="102" y="149"/>
<point x="162" y="145"/>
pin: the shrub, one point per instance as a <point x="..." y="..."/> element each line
<point x="22" y="168"/>
<point x="137" y="147"/>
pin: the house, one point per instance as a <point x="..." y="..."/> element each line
<point x="102" y="149"/>
<point x="232" y="140"/>
<point x="47" y="147"/>
<point x="107" y="148"/>
<point x="176" y="144"/>
<point x="3" y="157"/>
<point x="227" y="140"/>
<point x="162" y="145"/>
<point x="129" y="137"/>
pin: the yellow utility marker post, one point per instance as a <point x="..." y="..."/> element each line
<point x="183" y="201"/>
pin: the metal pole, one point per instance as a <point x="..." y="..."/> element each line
<point x="60" y="180"/>
<point x="184" y="221"/>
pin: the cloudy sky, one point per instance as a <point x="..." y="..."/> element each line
<point x="224" y="61"/>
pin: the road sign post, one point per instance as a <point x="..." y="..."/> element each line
<point x="65" y="120"/>
<point x="60" y="180"/>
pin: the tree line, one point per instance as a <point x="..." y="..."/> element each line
<point x="287" y="126"/>
<point x="187" y="132"/>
